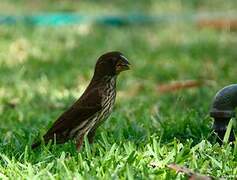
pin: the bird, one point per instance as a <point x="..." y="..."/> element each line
<point x="93" y="107"/>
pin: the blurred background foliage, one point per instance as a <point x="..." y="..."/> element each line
<point x="105" y="6"/>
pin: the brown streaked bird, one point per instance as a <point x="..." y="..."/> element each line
<point x="93" y="107"/>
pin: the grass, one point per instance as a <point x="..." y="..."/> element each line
<point x="44" y="69"/>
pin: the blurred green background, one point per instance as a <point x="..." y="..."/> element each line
<point x="43" y="69"/>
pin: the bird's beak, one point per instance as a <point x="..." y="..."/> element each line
<point x="122" y="65"/>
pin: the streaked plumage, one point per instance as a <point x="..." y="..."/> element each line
<point x="93" y="107"/>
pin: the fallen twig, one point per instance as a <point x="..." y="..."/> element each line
<point x="179" y="85"/>
<point x="219" y="24"/>
<point x="188" y="172"/>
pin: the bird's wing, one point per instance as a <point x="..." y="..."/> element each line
<point x="84" y="108"/>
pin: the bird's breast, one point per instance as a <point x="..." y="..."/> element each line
<point x="108" y="98"/>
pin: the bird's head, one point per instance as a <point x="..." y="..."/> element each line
<point x="111" y="64"/>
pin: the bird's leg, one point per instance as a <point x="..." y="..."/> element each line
<point x="91" y="136"/>
<point x="80" y="142"/>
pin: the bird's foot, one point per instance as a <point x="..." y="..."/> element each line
<point x="79" y="142"/>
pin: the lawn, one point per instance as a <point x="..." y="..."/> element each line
<point x="44" y="69"/>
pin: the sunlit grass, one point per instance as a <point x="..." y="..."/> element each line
<point x="43" y="70"/>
